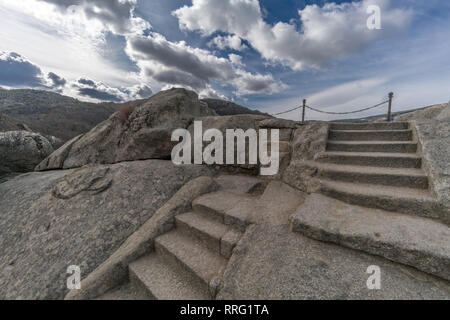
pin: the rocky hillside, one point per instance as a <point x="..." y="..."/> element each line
<point x="228" y="108"/>
<point x="50" y="113"/>
<point x="56" y="115"/>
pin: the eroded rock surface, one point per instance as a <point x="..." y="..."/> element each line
<point x="51" y="220"/>
<point x="145" y="135"/>
<point x="270" y="262"/>
<point x="433" y="130"/>
<point x="308" y="142"/>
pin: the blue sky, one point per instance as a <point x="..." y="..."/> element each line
<point x="266" y="54"/>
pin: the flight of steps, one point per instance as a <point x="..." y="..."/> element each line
<point x="188" y="262"/>
<point x="376" y="165"/>
<point x="376" y="197"/>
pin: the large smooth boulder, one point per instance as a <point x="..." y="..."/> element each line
<point x="223" y="123"/>
<point x="52" y="220"/>
<point x="270" y="262"/>
<point x="146" y="134"/>
<point x="21" y="151"/>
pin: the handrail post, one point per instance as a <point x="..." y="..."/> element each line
<point x="391" y="95"/>
<point x="304" y="109"/>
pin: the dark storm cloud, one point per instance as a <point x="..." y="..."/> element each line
<point x="57" y="81"/>
<point x="87" y="82"/>
<point x="17" y="71"/>
<point x="97" y="94"/>
<point x="97" y="90"/>
<point x="101" y="91"/>
<point x="178" y="64"/>
<point x="178" y="57"/>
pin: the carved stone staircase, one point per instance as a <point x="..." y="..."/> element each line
<point x="376" y="165"/>
<point x="376" y="197"/>
<point x="188" y="262"/>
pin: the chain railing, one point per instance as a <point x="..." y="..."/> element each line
<point x="305" y="106"/>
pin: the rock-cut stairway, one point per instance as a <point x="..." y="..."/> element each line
<point x="376" y="165"/>
<point x="374" y="196"/>
<point x="188" y="262"/>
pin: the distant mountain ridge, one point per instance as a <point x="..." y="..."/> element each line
<point x="50" y="113"/>
<point x="228" y="108"/>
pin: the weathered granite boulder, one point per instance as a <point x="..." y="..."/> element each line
<point x="278" y="123"/>
<point x="55" y="141"/>
<point x="222" y="123"/>
<point x="308" y="142"/>
<point x="21" y="151"/>
<point x="145" y="135"/>
<point x="51" y="220"/>
<point x="6" y="124"/>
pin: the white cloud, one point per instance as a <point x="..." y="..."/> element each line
<point x="176" y="63"/>
<point x="236" y="59"/>
<point x="57" y="42"/>
<point x="209" y="92"/>
<point x="111" y="15"/>
<point x="327" y="33"/>
<point x="345" y="93"/>
<point x="225" y="42"/>
<point x="248" y="83"/>
<point x="74" y="32"/>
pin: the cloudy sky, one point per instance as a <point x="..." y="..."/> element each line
<point x="266" y="54"/>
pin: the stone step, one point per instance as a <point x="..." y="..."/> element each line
<point x="373" y="146"/>
<point x="370" y="126"/>
<point x="372" y="159"/>
<point x="238" y="184"/>
<point x="218" y="205"/>
<point x="213" y="234"/>
<point x="190" y="254"/>
<point x="405" y="200"/>
<point x="371" y="135"/>
<point x="397" y="177"/>
<point x="156" y="279"/>
<point x="417" y="242"/>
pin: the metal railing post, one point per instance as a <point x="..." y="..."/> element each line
<point x="304" y="109"/>
<point x="389" y="116"/>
